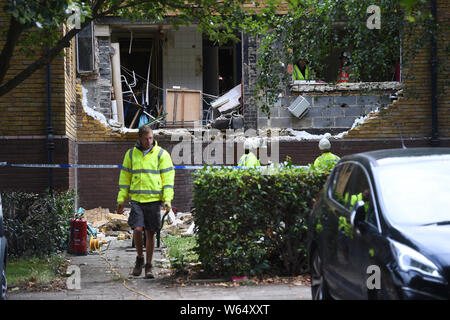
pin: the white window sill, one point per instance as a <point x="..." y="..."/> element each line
<point x="314" y="86"/>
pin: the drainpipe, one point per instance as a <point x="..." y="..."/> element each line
<point x="434" y="64"/>
<point x="50" y="141"/>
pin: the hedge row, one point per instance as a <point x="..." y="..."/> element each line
<point x="253" y="222"/>
<point x="37" y="224"/>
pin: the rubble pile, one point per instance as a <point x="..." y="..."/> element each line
<point x="181" y="223"/>
<point x="109" y="224"/>
<point x="116" y="225"/>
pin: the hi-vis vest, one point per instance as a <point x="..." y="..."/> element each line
<point x="298" y="75"/>
<point x="146" y="178"/>
<point x="249" y="160"/>
<point x="326" y="161"/>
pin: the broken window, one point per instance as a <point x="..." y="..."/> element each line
<point x="85" y="49"/>
<point x="222" y="75"/>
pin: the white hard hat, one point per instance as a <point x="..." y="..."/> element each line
<point x="324" y="144"/>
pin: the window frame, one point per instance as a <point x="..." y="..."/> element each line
<point x="93" y="51"/>
<point x="371" y="186"/>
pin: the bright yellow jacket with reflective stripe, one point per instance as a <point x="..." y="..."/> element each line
<point x="249" y="160"/>
<point x="326" y="161"/>
<point x="146" y="178"/>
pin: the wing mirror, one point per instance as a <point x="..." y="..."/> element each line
<point x="358" y="213"/>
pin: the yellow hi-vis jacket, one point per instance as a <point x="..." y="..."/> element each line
<point x="249" y="160"/>
<point x="146" y="178"/>
<point x="298" y="75"/>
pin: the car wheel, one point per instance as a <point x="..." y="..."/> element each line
<point x="319" y="289"/>
<point x="4" y="284"/>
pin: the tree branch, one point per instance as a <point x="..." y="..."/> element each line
<point x="43" y="60"/>
<point x="14" y="32"/>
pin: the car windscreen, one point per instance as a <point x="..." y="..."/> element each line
<point x="416" y="192"/>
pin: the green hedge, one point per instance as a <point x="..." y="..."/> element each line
<point x="253" y="222"/>
<point x="37" y="225"/>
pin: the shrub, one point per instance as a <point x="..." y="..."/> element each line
<point x="37" y="225"/>
<point x="250" y="222"/>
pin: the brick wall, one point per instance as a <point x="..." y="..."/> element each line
<point x="31" y="150"/>
<point x="99" y="187"/>
<point x="23" y="110"/>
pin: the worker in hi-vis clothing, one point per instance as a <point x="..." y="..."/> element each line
<point x="147" y="176"/>
<point x="326" y="160"/>
<point x="301" y="71"/>
<point x="248" y="159"/>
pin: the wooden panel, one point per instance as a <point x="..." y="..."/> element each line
<point x="183" y="106"/>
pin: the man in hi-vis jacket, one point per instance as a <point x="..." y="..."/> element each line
<point x="147" y="176"/>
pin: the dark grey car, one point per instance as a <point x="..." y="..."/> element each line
<point x="3" y="254"/>
<point x="381" y="227"/>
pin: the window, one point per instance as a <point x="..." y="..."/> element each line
<point x="85" y="49"/>
<point x="340" y="184"/>
<point x="360" y="189"/>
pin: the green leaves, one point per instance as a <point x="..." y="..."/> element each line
<point x="315" y="30"/>
<point x="37" y="224"/>
<point x="252" y="222"/>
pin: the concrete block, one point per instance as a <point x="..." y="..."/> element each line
<point x="333" y="111"/>
<point x="285" y="113"/>
<point x="304" y="122"/>
<point x="344" y="121"/>
<point x="275" y="112"/>
<point x="348" y="100"/>
<point x="315" y="112"/>
<point x="354" y="111"/>
<point x="322" y="122"/>
<point x="368" y="99"/>
<point x="281" y="122"/>
<point x="322" y="101"/>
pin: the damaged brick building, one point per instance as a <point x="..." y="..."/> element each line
<point x="117" y="75"/>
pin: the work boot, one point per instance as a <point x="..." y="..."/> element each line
<point x="148" y="271"/>
<point x="138" y="266"/>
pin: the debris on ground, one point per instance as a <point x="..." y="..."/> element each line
<point x="178" y="224"/>
<point x="110" y="224"/>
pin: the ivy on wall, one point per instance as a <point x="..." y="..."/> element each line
<point x="316" y="31"/>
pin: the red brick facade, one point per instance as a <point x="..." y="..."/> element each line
<point x="81" y="139"/>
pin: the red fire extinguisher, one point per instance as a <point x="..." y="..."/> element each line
<point x="78" y="236"/>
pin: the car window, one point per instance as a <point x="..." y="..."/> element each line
<point x="359" y="189"/>
<point x="339" y="184"/>
<point x="415" y="192"/>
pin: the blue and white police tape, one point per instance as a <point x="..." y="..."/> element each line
<point x="108" y="166"/>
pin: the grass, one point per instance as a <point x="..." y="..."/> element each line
<point x="181" y="251"/>
<point x="34" y="271"/>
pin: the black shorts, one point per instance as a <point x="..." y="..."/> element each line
<point x="147" y="215"/>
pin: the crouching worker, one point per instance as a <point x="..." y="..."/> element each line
<point x="147" y="176"/>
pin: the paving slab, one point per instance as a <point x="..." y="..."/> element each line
<point x="107" y="276"/>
